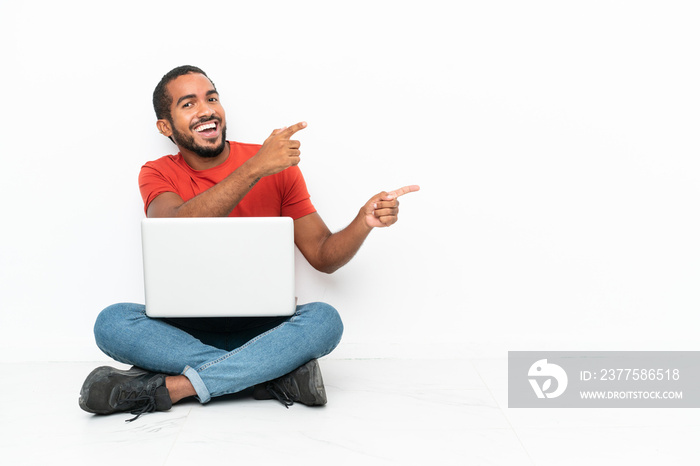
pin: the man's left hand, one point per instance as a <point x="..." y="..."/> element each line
<point x="383" y="209"/>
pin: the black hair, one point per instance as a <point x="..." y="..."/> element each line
<point x="162" y="100"/>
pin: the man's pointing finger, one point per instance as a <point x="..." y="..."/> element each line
<point x="405" y="190"/>
<point x="288" y="132"/>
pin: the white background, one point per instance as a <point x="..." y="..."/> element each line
<point x="556" y="144"/>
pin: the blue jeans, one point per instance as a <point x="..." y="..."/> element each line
<point x="219" y="356"/>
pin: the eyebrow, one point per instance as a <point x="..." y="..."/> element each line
<point x="191" y="96"/>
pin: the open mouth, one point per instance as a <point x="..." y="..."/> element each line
<point x="208" y="129"/>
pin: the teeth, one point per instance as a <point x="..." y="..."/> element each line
<point x="205" y="127"/>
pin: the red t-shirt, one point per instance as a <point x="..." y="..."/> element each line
<point x="281" y="195"/>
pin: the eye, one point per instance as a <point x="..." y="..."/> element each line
<point x="187" y="105"/>
<point x="213" y="99"/>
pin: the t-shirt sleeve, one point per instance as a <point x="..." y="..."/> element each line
<point x="152" y="184"/>
<point x="296" y="202"/>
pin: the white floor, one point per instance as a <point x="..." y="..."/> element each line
<point x="379" y="412"/>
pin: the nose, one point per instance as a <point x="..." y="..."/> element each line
<point x="205" y="110"/>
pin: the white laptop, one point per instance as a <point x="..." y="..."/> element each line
<point x="218" y="267"/>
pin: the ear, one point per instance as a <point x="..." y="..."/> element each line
<point x="164" y="128"/>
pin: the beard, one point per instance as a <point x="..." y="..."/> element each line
<point x="186" y="141"/>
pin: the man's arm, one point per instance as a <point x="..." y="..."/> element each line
<point x="277" y="153"/>
<point x="327" y="251"/>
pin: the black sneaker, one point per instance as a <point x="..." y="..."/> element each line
<point x="303" y="385"/>
<point x="108" y="390"/>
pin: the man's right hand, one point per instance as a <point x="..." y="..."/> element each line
<point x="278" y="152"/>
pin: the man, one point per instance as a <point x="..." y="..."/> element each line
<point x="212" y="177"/>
